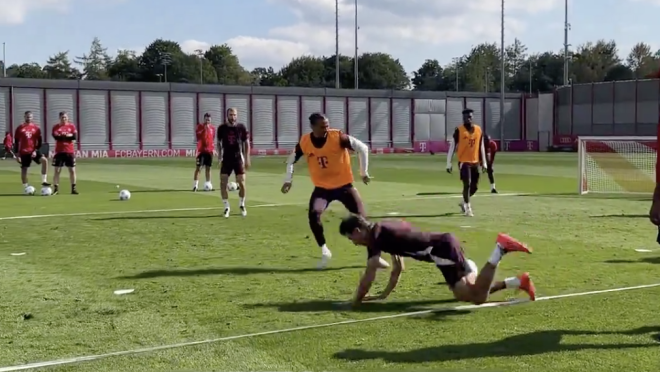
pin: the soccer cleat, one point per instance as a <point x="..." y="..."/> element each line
<point x="527" y="286"/>
<point x="326" y="256"/>
<point x="194" y="189"/>
<point x="243" y="211"/>
<point x="382" y="264"/>
<point x="45" y="184"/>
<point x="508" y="244"/>
<point x="493" y="191"/>
<point x="468" y="212"/>
<point x="226" y="213"/>
<point x="75" y="192"/>
<point x="56" y="190"/>
<point x="460" y="205"/>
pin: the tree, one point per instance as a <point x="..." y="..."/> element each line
<point x="163" y="61"/>
<point x="306" y="71"/>
<point x="592" y="61"/>
<point x="429" y="76"/>
<point x="267" y="77"/>
<point x="227" y="67"/>
<point x="26" y="71"/>
<point x="381" y="71"/>
<point x="59" y="67"/>
<point x="95" y="64"/>
<point x="125" y="67"/>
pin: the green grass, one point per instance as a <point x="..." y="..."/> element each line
<point x="199" y="276"/>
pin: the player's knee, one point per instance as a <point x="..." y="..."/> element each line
<point x="314" y="216"/>
<point x="474" y="187"/>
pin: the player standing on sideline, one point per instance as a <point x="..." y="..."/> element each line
<point x="27" y="143"/>
<point x="400" y="239"/>
<point x="491" y="150"/>
<point x="64" y="133"/>
<point x="654" y="213"/>
<point x="205" y="134"/>
<point x="8" y="142"/>
<point x="468" y="142"/>
<point x="234" y="154"/>
<point x="329" y="164"/>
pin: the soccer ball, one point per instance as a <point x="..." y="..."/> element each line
<point x="46" y="191"/>
<point x="124" y="195"/>
<point x="232" y="186"/>
<point x="29" y="190"/>
<point x="208" y="186"/>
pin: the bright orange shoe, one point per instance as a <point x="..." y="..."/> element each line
<point x="509" y="244"/>
<point x="527" y="285"/>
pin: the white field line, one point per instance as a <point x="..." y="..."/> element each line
<point x="89" y="358"/>
<point x="29" y="217"/>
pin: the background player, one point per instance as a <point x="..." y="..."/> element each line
<point x="205" y="134"/>
<point x="27" y="144"/>
<point x="468" y="142"/>
<point x="234" y="153"/>
<point x="64" y="133"/>
<point x="329" y="164"/>
<point x="400" y="239"/>
<point x="491" y="150"/>
<point x="8" y="143"/>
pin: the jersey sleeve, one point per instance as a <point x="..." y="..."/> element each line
<point x="244" y="133"/>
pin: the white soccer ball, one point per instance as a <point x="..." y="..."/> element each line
<point x="46" y="191"/>
<point x="29" y="190"/>
<point x="124" y="195"/>
<point x="232" y="186"/>
<point x="208" y="186"/>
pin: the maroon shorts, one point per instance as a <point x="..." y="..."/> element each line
<point x="347" y="195"/>
<point x="470" y="172"/>
<point x="449" y="258"/>
<point x="232" y="166"/>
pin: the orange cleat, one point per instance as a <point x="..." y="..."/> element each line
<point x="527" y="285"/>
<point x="509" y="244"/>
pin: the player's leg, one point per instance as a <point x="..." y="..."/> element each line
<point x="225" y="172"/>
<point x="239" y="171"/>
<point x="198" y="166"/>
<point x="70" y="163"/>
<point x="26" y="161"/>
<point x="208" y="165"/>
<point x="58" y="163"/>
<point x="43" y="161"/>
<point x="465" y="179"/>
<point x="474" y="184"/>
<point x="318" y="202"/>
<point x="491" y="177"/>
<point x="477" y="288"/>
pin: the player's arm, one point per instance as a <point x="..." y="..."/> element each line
<point x="17" y="140"/>
<point x="453" y="142"/>
<point x="354" y="144"/>
<point x="219" y="134"/>
<point x="482" y="153"/>
<point x="290" y="161"/>
<point x="395" y="275"/>
<point x="38" y="140"/>
<point x="367" y="279"/>
<point x="245" y="139"/>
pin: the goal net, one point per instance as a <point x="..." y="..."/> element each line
<point x="617" y="164"/>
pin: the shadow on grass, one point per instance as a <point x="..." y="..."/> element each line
<point x="534" y="343"/>
<point x="9" y="195"/>
<point x="647" y="260"/>
<point x="127" y="218"/>
<point x="154" y="191"/>
<point x="436" y="193"/>
<point x="229" y="271"/>
<point x="370" y="307"/>
<point x="621" y="216"/>
<point x="572" y="195"/>
<point x="448" y="214"/>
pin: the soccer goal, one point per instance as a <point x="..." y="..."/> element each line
<point x="616" y="164"/>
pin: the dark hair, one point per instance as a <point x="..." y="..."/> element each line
<point x="207" y="115"/>
<point x="7" y="132"/>
<point x="486" y="137"/>
<point x="315" y="117"/>
<point x="62" y="113"/>
<point x="27" y="112"/>
<point x="350" y="223"/>
<point x="467" y="111"/>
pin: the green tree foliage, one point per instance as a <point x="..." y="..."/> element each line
<point x="480" y="70"/>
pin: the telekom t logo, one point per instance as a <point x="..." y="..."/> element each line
<point x="422" y="146"/>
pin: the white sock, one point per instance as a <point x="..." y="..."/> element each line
<point x="44" y="177"/>
<point x="26" y="184"/>
<point x="496" y="256"/>
<point x="241" y="202"/>
<point x="325" y="249"/>
<point x="492" y="186"/>
<point x="226" y="203"/>
<point x="467" y="206"/>
<point x="512" y="283"/>
<point x="196" y="183"/>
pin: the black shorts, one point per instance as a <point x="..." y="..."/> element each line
<point x="64" y="159"/>
<point x="449" y="258"/>
<point x="232" y="166"/>
<point x="347" y="195"/>
<point x="469" y="172"/>
<point x="204" y="160"/>
<point x="27" y="159"/>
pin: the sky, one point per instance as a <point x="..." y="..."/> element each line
<point x="272" y="32"/>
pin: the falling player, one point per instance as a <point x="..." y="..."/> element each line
<point x="64" y="133"/>
<point x="234" y="154"/>
<point x="27" y="143"/>
<point x="205" y="134"/>
<point x="329" y="164"/>
<point x="8" y="143"/>
<point x="400" y="239"/>
<point x="491" y="150"/>
<point x="469" y="145"/>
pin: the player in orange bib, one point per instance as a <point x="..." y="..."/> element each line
<point x="468" y="141"/>
<point x="329" y="164"/>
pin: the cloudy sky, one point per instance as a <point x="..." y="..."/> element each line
<point x="271" y="32"/>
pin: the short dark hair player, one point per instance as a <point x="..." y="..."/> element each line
<point x="234" y="150"/>
<point x="27" y="144"/>
<point x="65" y="135"/>
<point x="205" y="135"/>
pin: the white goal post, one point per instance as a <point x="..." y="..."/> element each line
<point x="616" y="165"/>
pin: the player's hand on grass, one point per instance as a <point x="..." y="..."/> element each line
<point x="286" y="187"/>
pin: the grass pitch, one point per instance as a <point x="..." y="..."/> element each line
<point x="198" y="276"/>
